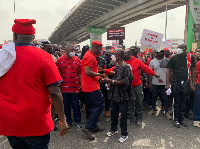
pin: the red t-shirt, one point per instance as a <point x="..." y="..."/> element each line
<point x="89" y="84"/>
<point x="24" y="99"/>
<point x="138" y="65"/>
<point x="69" y="70"/>
<point x="198" y="71"/>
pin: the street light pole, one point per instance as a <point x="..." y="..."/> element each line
<point x="166" y="22"/>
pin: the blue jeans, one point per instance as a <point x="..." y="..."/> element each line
<point x="36" y="142"/>
<point x="71" y="99"/>
<point x="95" y="105"/>
<point x="159" y="90"/>
<point x="196" y="104"/>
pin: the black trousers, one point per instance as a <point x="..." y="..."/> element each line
<point x="180" y="92"/>
<point x="107" y="100"/>
<point x="121" y="107"/>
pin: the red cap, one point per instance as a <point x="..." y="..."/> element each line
<point x="166" y="49"/>
<point x="24" y="26"/>
<point x="1" y="46"/>
<point x="97" y="43"/>
<point x="112" y="48"/>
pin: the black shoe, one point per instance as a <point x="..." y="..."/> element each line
<point x="183" y="124"/>
<point x="96" y="129"/>
<point x="177" y="124"/>
<point x="88" y="134"/>
<point x="189" y="116"/>
<point x="69" y="126"/>
<point x="55" y="128"/>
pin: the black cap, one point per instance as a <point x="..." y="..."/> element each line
<point x="133" y="47"/>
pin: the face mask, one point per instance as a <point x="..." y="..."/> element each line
<point x="37" y="46"/>
<point x="79" y="54"/>
<point x="113" y="58"/>
<point x="126" y="58"/>
<point x="107" y="57"/>
<point x="71" y="54"/>
<point x="179" y="51"/>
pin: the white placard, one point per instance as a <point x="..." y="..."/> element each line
<point x="151" y="38"/>
<point x="168" y="44"/>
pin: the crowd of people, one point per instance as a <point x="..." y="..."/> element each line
<point x="123" y="81"/>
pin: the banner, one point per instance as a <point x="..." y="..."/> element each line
<point x="151" y="38"/>
<point x="116" y="33"/>
<point x="193" y="30"/>
<point x="168" y="44"/>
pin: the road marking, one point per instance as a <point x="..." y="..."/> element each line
<point x="143" y="125"/>
<point x="170" y="144"/>
<point x="106" y="139"/>
<point x="163" y="144"/>
<point x="142" y="142"/>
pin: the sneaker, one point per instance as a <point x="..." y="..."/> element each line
<point x="107" y="113"/>
<point x="55" y="128"/>
<point x="110" y="133"/>
<point x="88" y="134"/>
<point x="79" y="125"/>
<point x="168" y="116"/>
<point x="177" y="124"/>
<point x="183" y="124"/>
<point x="151" y="112"/>
<point x="196" y="124"/>
<point x="123" y="138"/>
<point x="139" y="123"/>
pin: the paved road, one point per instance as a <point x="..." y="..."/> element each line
<point x="156" y="133"/>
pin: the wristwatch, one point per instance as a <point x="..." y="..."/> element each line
<point x="113" y="81"/>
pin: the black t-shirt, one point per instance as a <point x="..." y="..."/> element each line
<point x="178" y="64"/>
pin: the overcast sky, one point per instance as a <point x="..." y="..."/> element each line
<point x="49" y="13"/>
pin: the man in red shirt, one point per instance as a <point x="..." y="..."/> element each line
<point x="90" y="85"/>
<point x="25" y="103"/>
<point x="137" y="65"/>
<point x="69" y="67"/>
<point x="196" y="101"/>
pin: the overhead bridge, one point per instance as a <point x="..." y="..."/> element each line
<point x="106" y="13"/>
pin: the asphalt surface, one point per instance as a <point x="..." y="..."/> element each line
<point x="156" y="133"/>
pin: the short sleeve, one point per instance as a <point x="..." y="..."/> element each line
<point x="51" y="76"/>
<point x="193" y="64"/>
<point x="89" y="62"/>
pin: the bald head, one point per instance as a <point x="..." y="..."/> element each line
<point x="119" y="54"/>
<point x="119" y="51"/>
